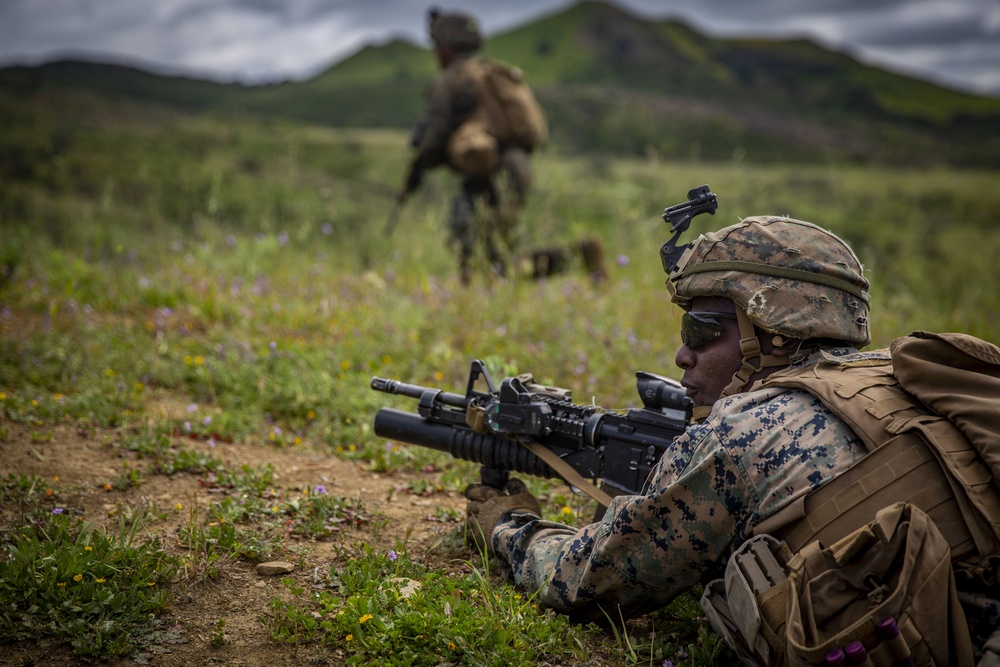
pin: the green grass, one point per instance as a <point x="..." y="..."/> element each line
<point x="102" y="593"/>
<point x="238" y="268"/>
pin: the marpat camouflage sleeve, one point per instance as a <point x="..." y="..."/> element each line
<point x="755" y="453"/>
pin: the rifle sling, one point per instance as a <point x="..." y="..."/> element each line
<point x="566" y="471"/>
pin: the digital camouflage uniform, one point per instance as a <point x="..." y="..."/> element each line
<point x="755" y="453"/>
<point x="485" y="207"/>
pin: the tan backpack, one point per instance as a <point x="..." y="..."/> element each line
<point x="930" y="417"/>
<point x="508" y="113"/>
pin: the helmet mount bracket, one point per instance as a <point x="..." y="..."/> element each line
<point x="679" y="216"/>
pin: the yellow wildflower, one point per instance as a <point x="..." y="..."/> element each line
<point x="34" y="402"/>
<point x="199" y="360"/>
<point x="187" y="360"/>
<point x="365" y="618"/>
<point x="110" y="373"/>
<point x="100" y="580"/>
<point x="567" y="509"/>
<point x="349" y="637"/>
<point x="311" y="415"/>
<point x="88" y="548"/>
<point x="451" y="645"/>
<point x="61" y="584"/>
<point x="438" y="375"/>
<point x="78" y="577"/>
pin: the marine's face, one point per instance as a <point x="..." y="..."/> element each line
<point x="711" y="353"/>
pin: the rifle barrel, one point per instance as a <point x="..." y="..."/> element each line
<point x="416" y="391"/>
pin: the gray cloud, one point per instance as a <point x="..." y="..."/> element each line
<point x="950" y="41"/>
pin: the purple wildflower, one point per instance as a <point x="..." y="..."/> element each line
<point x="320" y="490"/>
<point x="57" y="510"/>
<point x="392" y="555"/>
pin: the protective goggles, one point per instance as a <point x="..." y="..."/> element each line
<point x="700" y="327"/>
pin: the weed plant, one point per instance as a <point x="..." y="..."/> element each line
<point x="389" y="609"/>
<point x="103" y="594"/>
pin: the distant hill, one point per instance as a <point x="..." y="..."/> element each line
<point x="615" y="83"/>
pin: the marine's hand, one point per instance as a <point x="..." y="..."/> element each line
<point x="487" y="504"/>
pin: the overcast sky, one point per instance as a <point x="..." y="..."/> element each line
<point x="954" y="42"/>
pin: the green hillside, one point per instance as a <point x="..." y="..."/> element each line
<point x="614" y="83"/>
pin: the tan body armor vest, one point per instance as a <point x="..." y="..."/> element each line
<point x="914" y="456"/>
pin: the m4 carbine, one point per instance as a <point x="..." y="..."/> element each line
<point x="535" y="429"/>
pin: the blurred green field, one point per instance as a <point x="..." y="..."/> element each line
<point x="175" y="237"/>
<point x="241" y="265"/>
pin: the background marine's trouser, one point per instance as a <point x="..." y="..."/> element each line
<point x="487" y="208"/>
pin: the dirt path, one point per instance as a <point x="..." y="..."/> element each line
<point x="77" y="465"/>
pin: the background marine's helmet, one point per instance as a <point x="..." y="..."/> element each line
<point x="454" y="29"/>
<point x="790" y="277"/>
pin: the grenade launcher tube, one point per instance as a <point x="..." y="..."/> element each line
<point x="487" y="450"/>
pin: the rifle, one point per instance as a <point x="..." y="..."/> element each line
<point x="390" y="222"/>
<point x="535" y="429"/>
<point x="413" y="178"/>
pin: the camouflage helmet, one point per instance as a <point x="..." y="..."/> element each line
<point x="791" y="278"/>
<point x="454" y="29"/>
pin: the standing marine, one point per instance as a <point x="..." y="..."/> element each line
<point x="481" y="121"/>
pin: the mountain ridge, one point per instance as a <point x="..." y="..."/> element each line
<point x="615" y="83"/>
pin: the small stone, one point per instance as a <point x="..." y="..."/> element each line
<point x="407" y="586"/>
<point x="274" y="568"/>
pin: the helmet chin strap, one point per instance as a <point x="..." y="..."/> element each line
<point x="750" y="347"/>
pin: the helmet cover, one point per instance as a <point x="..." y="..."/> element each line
<point x="454" y="29"/>
<point x="791" y="278"/>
